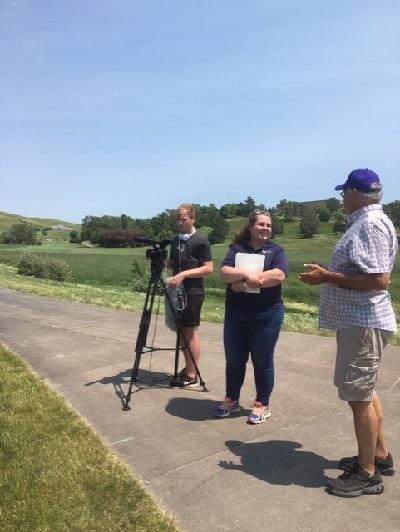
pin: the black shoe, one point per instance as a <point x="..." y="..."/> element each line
<point x="384" y="465"/>
<point x="356" y="482"/>
<point x="183" y="381"/>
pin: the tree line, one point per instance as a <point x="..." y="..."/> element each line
<point x="123" y="230"/>
<point x="115" y="231"/>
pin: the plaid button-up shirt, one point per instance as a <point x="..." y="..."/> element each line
<point x="368" y="246"/>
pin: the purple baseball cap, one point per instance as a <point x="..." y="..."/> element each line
<point x="362" y="179"/>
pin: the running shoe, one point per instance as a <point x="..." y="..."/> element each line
<point x="384" y="465"/>
<point x="227" y="408"/>
<point x="183" y="381"/>
<point x="356" y="482"/>
<point x="259" y="414"/>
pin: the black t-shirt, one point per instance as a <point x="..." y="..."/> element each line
<point x="189" y="254"/>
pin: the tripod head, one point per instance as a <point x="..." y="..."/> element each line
<point x="157" y="255"/>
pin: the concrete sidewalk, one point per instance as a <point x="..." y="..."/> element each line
<point x="212" y="474"/>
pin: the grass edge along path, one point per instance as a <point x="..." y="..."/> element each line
<point x="56" y="472"/>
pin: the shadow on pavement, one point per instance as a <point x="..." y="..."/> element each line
<point x="279" y="462"/>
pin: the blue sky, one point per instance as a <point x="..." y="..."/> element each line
<point x="133" y="107"/>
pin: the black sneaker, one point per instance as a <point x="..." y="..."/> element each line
<point x="384" y="465"/>
<point x="183" y="381"/>
<point x="356" y="482"/>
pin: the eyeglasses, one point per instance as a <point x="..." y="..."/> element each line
<point x="343" y="193"/>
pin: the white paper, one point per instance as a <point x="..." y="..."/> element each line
<point x="251" y="262"/>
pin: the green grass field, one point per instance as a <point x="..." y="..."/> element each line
<point x="104" y="276"/>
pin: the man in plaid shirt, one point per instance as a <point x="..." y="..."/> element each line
<point x="356" y="303"/>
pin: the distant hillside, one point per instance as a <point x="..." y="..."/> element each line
<point x="7" y="220"/>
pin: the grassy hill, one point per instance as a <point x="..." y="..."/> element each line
<point x="7" y="220"/>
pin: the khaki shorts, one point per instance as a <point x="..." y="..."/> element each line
<point x="358" y="358"/>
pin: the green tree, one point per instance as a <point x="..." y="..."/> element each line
<point x="163" y="226"/>
<point x="278" y="227"/>
<point x="124" y="221"/>
<point x="92" y="226"/>
<point x="144" y="225"/>
<point x="210" y="216"/>
<point x="21" y="233"/>
<point x="393" y="211"/>
<point x="74" y="237"/>
<point x="323" y="214"/>
<point x="228" y="210"/>
<point x="290" y="210"/>
<point x="219" y="231"/>
<point x="333" y="205"/>
<point x="340" y="222"/>
<point x="246" y="208"/>
<point x="309" y="222"/>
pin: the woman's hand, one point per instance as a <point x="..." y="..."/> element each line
<point x="253" y="280"/>
<point x="239" y="286"/>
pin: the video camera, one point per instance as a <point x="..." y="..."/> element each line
<point x="158" y="253"/>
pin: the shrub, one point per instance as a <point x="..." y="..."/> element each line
<point x="30" y="265"/>
<point x="118" y="238"/>
<point x="43" y="267"/>
<point x="140" y="278"/>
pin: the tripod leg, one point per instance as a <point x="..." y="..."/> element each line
<point x="177" y="351"/>
<point x="142" y="335"/>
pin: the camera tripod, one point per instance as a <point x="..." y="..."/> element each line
<point x="157" y="255"/>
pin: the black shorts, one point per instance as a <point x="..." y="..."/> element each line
<point x="190" y="316"/>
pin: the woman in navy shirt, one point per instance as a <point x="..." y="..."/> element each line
<point x="254" y="270"/>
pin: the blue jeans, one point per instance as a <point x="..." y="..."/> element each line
<point x="254" y="333"/>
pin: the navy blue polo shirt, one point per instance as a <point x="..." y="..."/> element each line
<point x="274" y="257"/>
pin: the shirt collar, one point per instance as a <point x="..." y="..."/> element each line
<point x="356" y="215"/>
<point x="250" y="249"/>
